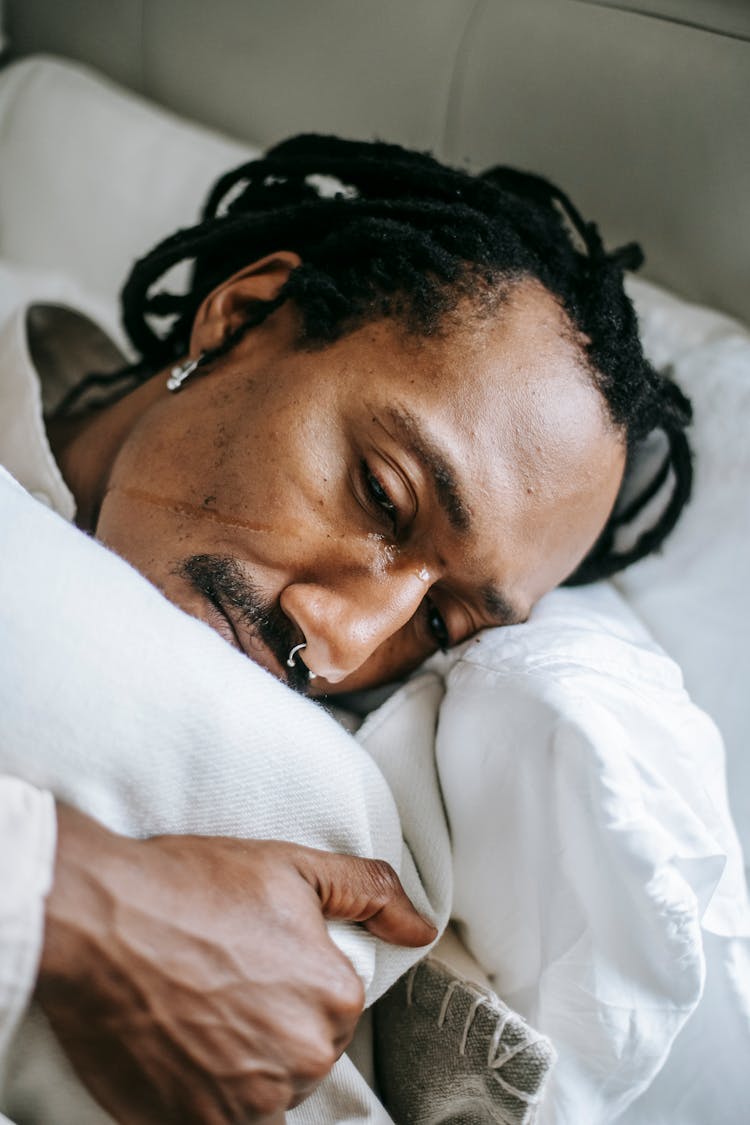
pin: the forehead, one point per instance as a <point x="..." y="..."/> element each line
<point x="519" y="437"/>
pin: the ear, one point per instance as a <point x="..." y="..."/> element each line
<point x="225" y="308"/>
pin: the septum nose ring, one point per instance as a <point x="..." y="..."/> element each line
<point x="293" y="653"/>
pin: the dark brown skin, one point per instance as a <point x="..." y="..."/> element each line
<point x="192" y="979"/>
<point x="209" y="985"/>
<point x="260" y="460"/>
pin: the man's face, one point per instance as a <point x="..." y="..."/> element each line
<point x="376" y="498"/>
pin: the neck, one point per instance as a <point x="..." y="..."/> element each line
<point x="86" y="446"/>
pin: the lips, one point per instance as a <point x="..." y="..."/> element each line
<point x="229" y="625"/>
<point x="237" y="610"/>
<point x="247" y="640"/>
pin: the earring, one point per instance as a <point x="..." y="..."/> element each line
<point x="182" y="371"/>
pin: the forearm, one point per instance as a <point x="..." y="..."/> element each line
<point x="95" y="877"/>
<point x="193" y="979"/>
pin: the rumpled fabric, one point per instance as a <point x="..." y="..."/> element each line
<point x="598" y="876"/>
<point x="123" y="706"/>
<point x="552" y="780"/>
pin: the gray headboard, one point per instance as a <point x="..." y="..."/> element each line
<point x="640" y="109"/>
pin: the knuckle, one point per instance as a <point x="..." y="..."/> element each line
<point x="268" y="1096"/>
<point x="340" y="994"/>
<point x="384" y="881"/>
<point x="349" y="994"/>
<point x="316" y="1065"/>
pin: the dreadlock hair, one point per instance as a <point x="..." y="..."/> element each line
<point x="406" y="237"/>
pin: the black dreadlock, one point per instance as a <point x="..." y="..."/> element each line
<point x="405" y="236"/>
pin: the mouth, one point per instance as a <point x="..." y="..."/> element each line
<point x="236" y="611"/>
<point x="254" y="647"/>
<point x="229" y="626"/>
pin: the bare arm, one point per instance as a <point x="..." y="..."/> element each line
<point x="192" y="979"/>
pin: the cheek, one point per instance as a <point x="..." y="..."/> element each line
<point x="173" y="475"/>
<point x="268" y="488"/>
<point x="272" y="524"/>
<point x="188" y="450"/>
<point x="151" y="538"/>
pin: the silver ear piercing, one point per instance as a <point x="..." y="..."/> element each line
<point x="293" y="653"/>
<point x="182" y="371"/>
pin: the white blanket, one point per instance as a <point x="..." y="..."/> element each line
<point x="141" y="716"/>
<point x="597" y="877"/>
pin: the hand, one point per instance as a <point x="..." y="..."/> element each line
<point x="192" y="979"/>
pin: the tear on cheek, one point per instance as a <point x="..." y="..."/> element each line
<point x="387" y="552"/>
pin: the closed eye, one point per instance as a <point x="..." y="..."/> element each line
<point x="378" y="496"/>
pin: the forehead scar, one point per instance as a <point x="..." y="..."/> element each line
<point x="184" y="508"/>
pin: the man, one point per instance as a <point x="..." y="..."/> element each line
<point x="377" y="423"/>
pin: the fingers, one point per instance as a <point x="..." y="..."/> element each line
<point x="365" y="890"/>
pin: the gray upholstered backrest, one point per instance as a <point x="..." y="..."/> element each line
<point x="644" y="121"/>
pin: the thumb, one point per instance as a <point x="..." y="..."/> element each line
<point x="351" y="889"/>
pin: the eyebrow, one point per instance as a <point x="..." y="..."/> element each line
<point x="499" y="607"/>
<point x="444" y="479"/>
<point x="435" y="463"/>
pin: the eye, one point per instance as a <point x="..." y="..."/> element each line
<point x="436" y="625"/>
<point x="378" y="495"/>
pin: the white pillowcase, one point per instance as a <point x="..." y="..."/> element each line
<point x="86" y="201"/>
<point x="695" y="594"/>
<point x="598" y="879"/>
<point x="94" y="176"/>
<point x="585" y="793"/>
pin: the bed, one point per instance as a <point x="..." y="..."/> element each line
<point x="640" y="114"/>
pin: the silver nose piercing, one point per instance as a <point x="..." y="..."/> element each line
<point x="293" y="653"/>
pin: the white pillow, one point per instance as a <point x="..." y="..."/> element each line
<point x="598" y="878"/>
<point x="695" y="594"/>
<point x="94" y="176"/>
<point x="184" y="734"/>
<point x="87" y="200"/>
<point x="539" y="735"/>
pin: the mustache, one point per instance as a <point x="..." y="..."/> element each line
<point x="221" y="579"/>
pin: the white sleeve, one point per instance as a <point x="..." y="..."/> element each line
<point x="27" y="850"/>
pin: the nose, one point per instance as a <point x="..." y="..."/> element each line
<point x="345" y="621"/>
